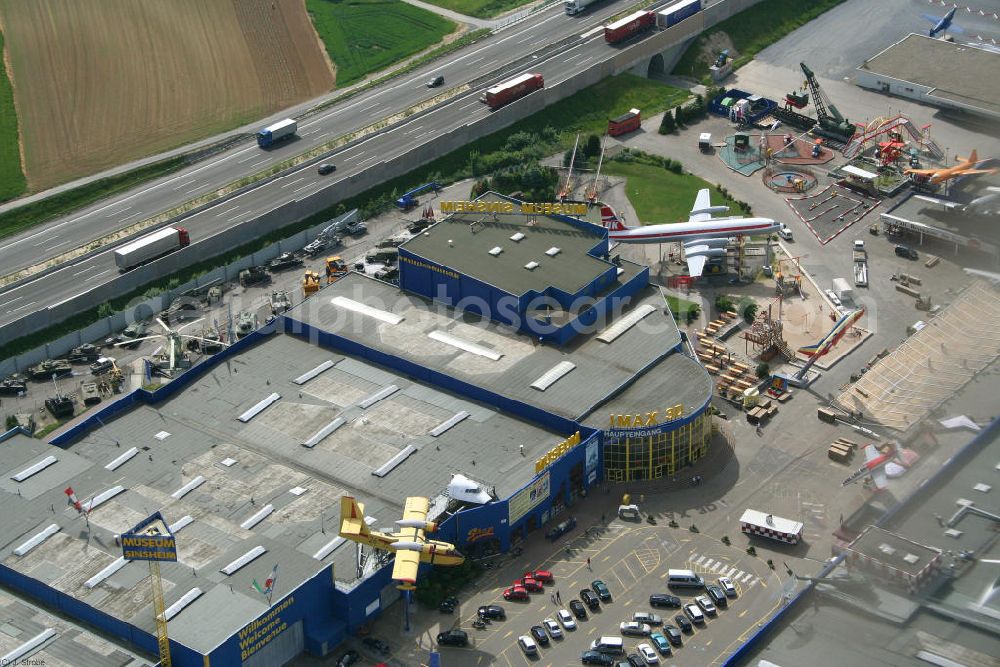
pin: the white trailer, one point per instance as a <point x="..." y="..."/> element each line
<point x="843" y="290"/>
<point x="150" y="247"/>
<point x="577" y="6"/>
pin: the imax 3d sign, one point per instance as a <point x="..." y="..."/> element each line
<point x="506" y="207"/>
<point x="643" y="424"/>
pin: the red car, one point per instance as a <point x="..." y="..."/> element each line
<point x="543" y="576"/>
<point x="531" y="585"/>
<point x="515" y="593"/>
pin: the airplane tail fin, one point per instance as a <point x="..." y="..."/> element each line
<point x="352" y="517"/>
<point x="610" y="220"/>
<point x="973" y="158"/>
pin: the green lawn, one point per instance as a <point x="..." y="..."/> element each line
<point x="483" y="9"/>
<point x="751" y="31"/>
<point x="364" y="36"/>
<point x="12" y="181"/>
<point x="658" y="195"/>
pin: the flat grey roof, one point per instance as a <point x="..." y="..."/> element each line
<point x="602" y="370"/>
<point x="894" y="550"/>
<point x="965" y="224"/>
<point x="247" y="466"/>
<point x="956" y="72"/>
<point x="463" y="241"/>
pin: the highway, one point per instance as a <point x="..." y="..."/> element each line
<point x="95" y="272"/>
<point x="466" y="65"/>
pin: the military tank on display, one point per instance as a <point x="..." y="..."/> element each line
<point x="46" y="369"/>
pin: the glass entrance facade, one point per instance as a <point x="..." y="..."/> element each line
<point x="654" y="456"/>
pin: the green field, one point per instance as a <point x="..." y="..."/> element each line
<point x="365" y="36"/>
<point x="751" y="31"/>
<point x="660" y="196"/>
<point x="483" y="9"/>
<point x="12" y="182"/>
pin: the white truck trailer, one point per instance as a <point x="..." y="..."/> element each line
<point x="151" y="246"/>
<point x="577" y="6"/>
<point x="843" y="290"/>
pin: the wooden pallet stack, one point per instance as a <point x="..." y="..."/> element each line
<point x="842" y="450"/>
<point x="762" y="412"/>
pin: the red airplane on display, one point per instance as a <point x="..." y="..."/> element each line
<point x="874" y="467"/>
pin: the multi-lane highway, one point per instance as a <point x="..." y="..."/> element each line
<point x="92" y="273"/>
<point x="467" y="65"/>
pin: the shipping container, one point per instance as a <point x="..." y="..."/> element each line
<point x="677" y="12"/>
<point x="508" y="91"/>
<point x="628" y="27"/>
<point x="625" y="123"/>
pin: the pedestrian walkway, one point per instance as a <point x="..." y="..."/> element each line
<point x="453" y="15"/>
<point x="705" y="565"/>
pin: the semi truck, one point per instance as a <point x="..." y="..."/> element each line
<point x="577" y="6"/>
<point x="629" y="27"/>
<point x="860" y="257"/>
<point x="283" y="129"/>
<point x="677" y="12"/>
<point x="516" y="88"/>
<point x="150" y="247"/>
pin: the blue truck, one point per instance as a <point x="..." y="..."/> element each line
<point x="677" y="12"/>
<point x="283" y="129"/>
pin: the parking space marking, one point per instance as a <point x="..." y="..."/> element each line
<point x="700" y="560"/>
<point x="746" y="578"/>
<point x="731" y="572"/>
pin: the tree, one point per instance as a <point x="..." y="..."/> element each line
<point x="679" y="116"/>
<point x="763" y="370"/>
<point x="667" y="125"/>
<point x="11" y="422"/>
<point x="698" y="107"/>
<point x="593" y="147"/>
<point x="105" y="310"/>
<point x="750" y="311"/>
<point x="724" y="304"/>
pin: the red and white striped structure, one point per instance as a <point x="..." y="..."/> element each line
<point x="773" y="527"/>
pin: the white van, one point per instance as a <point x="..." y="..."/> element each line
<point x="609" y="645"/>
<point x="684" y="579"/>
<point x="784" y="232"/>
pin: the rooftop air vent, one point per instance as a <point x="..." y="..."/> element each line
<point x="553" y="251"/>
<point x="517" y="237"/>
<point x="531" y="266"/>
<point x="496" y="251"/>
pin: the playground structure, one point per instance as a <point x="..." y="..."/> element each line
<point x="742" y="154"/>
<point x="882" y="129"/>
<point x="830" y="211"/>
<point x="795" y="149"/>
<point x="766" y="335"/>
<point x="789" y="179"/>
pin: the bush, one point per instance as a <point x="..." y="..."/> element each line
<point x="667" y="125"/>
<point x="679" y="116"/>
<point x="751" y="551"/>
<point x="673" y="524"/>
<point x="11" y="422"/>
<point x="725" y="540"/>
<point x="724" y="304"/>
<point x="749" y="311"/>
<point x="693" y="528"/>
<point x="763" y="370"/>
<point x="593" y="147"/>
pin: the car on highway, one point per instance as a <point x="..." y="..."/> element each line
<point x="589" y="599"/>
<point x="633" y="629"/>
<point x="717" y="594"/>
<point x="543" y="576"/>
<point x="515" y="593"/>
<point x="453" y="637"/>
<point x="661" y="643"/>
<point x="727" y="585"/>
<point x="530" y="585"/>
<point x="694" y="613"/>
<point x="435" y="81"/>
<point x="554" y="630"/>
<point x="664" y="600"/>
<point x="683" y="623"/>
<point x="647" y="617"/>
<point x="539" y="635"/>
<point x="706" y="604"/>
<point x="674" y="635"/>
<point x="349" y="658"/>
<point x="601" y="589"/>
<point x="325" y="169"/>
<point x="648" y="654"/>
<point x="597" y="658"/>
<point x="566" y="619"/>
<point x="578" y="609"/>
<point x="493" y="612"/>
<point x="527" y="645"/>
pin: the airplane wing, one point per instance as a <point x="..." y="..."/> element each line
<point x="696" y="265"/>
<point x="966" y="172"/>
<point x="701" y="202"/>
<point x="935" y="200"/>
<point x="933" y="19"/>
<point x="405" y="567"/>
<point x="416" y="508"/>
<point x="878" y="475"/>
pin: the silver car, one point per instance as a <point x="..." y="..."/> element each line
<point x="706" y="604"/>
<point x="635" y="629"/>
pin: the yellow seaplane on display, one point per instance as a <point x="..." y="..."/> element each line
<point x="409" y="544"/>
<point x="961" y="168"/>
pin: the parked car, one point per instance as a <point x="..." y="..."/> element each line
<point x="566" y="619"/>
<point x="325" y="169"/>
<point x="349" y="658"/>
<point x="706" y="604"/>
<point x="543" y="576"/>
<point x="578" y="609"/>
<point x="694" y="613"/>
<point x="539" y="634"/>
<point x="597" y="658"/>
<point x="560" y="529"/>
<point x="664" y="600"/>
<point x="648" y="654"/>
<point x="673" y="635"/>
<point x="683" y="623"/>
<point x="601" y="589"/>
<point x="661" y="643"/>
<point x="633" y="629"/>
<point x="493" y="612"/>
<point x="448" y="605"/>
<point x="647" y="617"/>
<point x="435" y="81"/>
<point x="377" y="645"/>
<point x="635" y="660"/>
<point x="906" y="251"/>
<point x="717" y="594"/>
<point x="453" y="637"/>
<point x="785" y="233"/>
<point x="527" y="645"/>
<point x="589" y="599"/>
<point x="727" y="585"/>
<point x="531" y="585"/>
<point x="553" y="628"/>
<point x="515" y="593"/>
<point x="102" y="365"/>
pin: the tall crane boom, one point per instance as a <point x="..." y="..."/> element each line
<point x="830" y="122"/>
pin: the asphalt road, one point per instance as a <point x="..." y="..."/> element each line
<point x="464" y="66"/>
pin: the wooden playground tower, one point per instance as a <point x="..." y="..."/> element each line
<point x="767" y="336"/>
